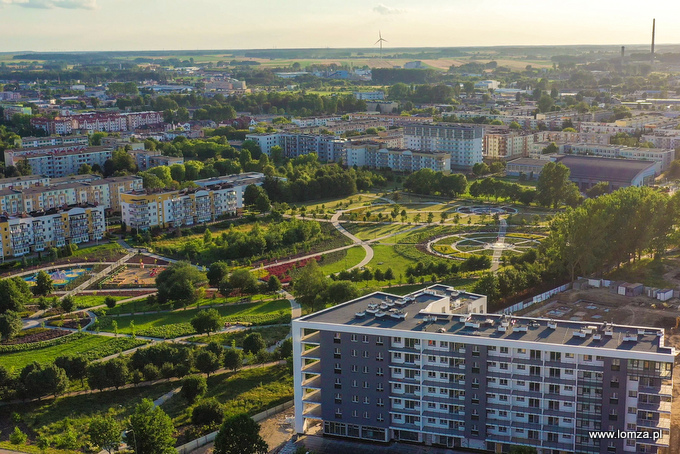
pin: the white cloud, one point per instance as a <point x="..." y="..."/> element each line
<point x="386" y="10"/>
<point x="49" y="4"/>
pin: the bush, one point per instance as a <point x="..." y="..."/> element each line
<point x="18" y="437"/>
<point x="208" y="412"/>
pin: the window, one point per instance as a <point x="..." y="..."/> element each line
<point x="521" y="351"/>
<point x="355" y="399"/>
<point x="354" y="383"/>
<point x="379" y="372"/>
<point x="336" y="338"/>
<point x="367" y="415"/>
<point x="555" y="356"/>
<point x="366" y="385"/>
<point x="338" y="383"/>
<point x="355" y="413"/>
<point x="379" y="356"/>
<point x="504" y="350"/>
<point x="365" y="354"/>
<point x="355" y="368"/>
<point x="379" y="402"/>
<point x="337" y="369"/>
<point x="364" y="339"/>
<point x="338" y="398"/>
<point x="354" y="338"/>
<point x="379" y="340"/>
<point x="475" y="350"/>
<point x="380" y="417"/>
<point x="365" y="369"/>
<point x="616" y="364"/>
<point x="354" y="353"/>
<point x="338" y="412"/>
<point x="535" y="354"/>
<point x="379" y="387"/>
<point x="367" y="400"/>
<point x="336" y="353"/>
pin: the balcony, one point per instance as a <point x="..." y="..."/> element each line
<point x="314" y="368"/>
<point x="312" y="398"/>
<point x="664" y="423"/>
<point x="314" y="353"/>
<point x="662" y="407"/>
<point x="312" y="383"/>
<point x="312" y="413"/>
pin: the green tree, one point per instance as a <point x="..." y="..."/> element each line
<point x="310" y="285"/>
<point x="262" y="203"/>
<point x="217" y="271"/>
<point x="554" y="188"/>
<point x="178" y="283"/>
<point x="193" y="387"/>
<point x="18" y="437"/>
<point x="105" y="433"/>
<point x="15" y="294"/>
<point x="242" y="280"/>
<point x="117" y="372"/>
<point x="207" y="321"/>
<point x="545" y="103"/>
<point x="43" y="284"/>
<point x="152" y="430"/>
<point x="240" y="435"/>
<point x="207" y="362"/>
<point x="254" y="343"/>
<point x="598" y="189"/>
<point x="273" y="284"/>
<point x="67" y="303"/>
<point x="233" y="359"/>
<point x="10" y="324"/>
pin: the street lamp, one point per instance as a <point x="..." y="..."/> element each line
<point x="134" y="438"/>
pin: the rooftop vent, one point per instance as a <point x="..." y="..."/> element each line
<point x="552" y="324"/>
<point x="630" y="337"/>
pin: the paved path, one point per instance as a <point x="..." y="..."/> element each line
<point x="368" y="249"/>
<point x="498" y="251"/>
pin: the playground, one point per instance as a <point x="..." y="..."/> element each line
<point x="130" y="276"/>
<point x="60" y="278"/>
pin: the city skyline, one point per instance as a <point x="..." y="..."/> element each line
<point x="108" y="26"/>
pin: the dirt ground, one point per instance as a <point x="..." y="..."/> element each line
<point x="600" y="305"/>
<point x="275" y="430"/>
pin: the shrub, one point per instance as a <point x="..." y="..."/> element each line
<point x="208" y="412"/>
<point x="193" y="387"/>
<point x="18" y="437"/>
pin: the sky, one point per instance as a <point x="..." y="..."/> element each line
<point x="81" y="25"/>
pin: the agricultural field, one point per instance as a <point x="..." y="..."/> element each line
<point x="89" y="345"/>
<point x="177" y="323"/>
<point x="270" y="334"/>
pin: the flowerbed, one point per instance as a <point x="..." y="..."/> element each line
<point x="32" y="335"/>
<point x="283" y="271"/>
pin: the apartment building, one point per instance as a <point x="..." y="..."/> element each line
<point x="98" y="122"/>
<point x="24" y="181"/>
<point x="432" y="367"/>
<point x="370" y="95"/>
<point x="54" y="141"/>
<point x="506" y="145"/>
<point x="463" y="142"/>
<point x="57" y="227"/>
<point x="664" y="138"/>
<point x="375" y="156"/>
<point x="52" y="194"/>
<point x="147" y="159"/>
<point x="143" y="210"/>
<point x="239" y="182"/>
<point x="326" y="147"/>
<point x="56" y="163"/>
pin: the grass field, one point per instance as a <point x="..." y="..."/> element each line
<point x="50" y="416"/>
<point x="136" y="306"/>
<point x="353" y="256"/>
<point x="373" y="231"/>
<point x="88" y="345"/>
<point x="270" y="334"/>
<point x="249" y="391"/>
<point x="86" y="301"/>
<point x="257" y="313"/>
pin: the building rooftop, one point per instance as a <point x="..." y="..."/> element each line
<point x="604" y="169"/>
<point x="21" y="178"/>
<point x="529" y="162"/>
<point x="421" y="312"/>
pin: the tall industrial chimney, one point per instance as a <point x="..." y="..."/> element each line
<point x="653" y="35"/>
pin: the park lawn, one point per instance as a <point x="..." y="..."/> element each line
<point x="386" y="257"/>
<point x="257" y="313"/>
<point x="92" y="300"/>
<point x="270" y="334"/>
<point x="98" y="249"/>
<point x="247" y="391"/>
<point x="373" y="231"/>
<point x="89" y="345"/>
<point x="352" y="257"/>
<point x="332" y="205"/>
<point x="49" y="416"/>
<point x="214" y="229"/>
<point x="646" y="271"/>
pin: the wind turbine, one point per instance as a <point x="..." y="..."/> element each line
<point x="381" y="40"/>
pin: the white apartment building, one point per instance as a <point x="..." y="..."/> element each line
<point x="58" y="163"/>
<point x="374" y="156"/>
<point x="463" y="142"/>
